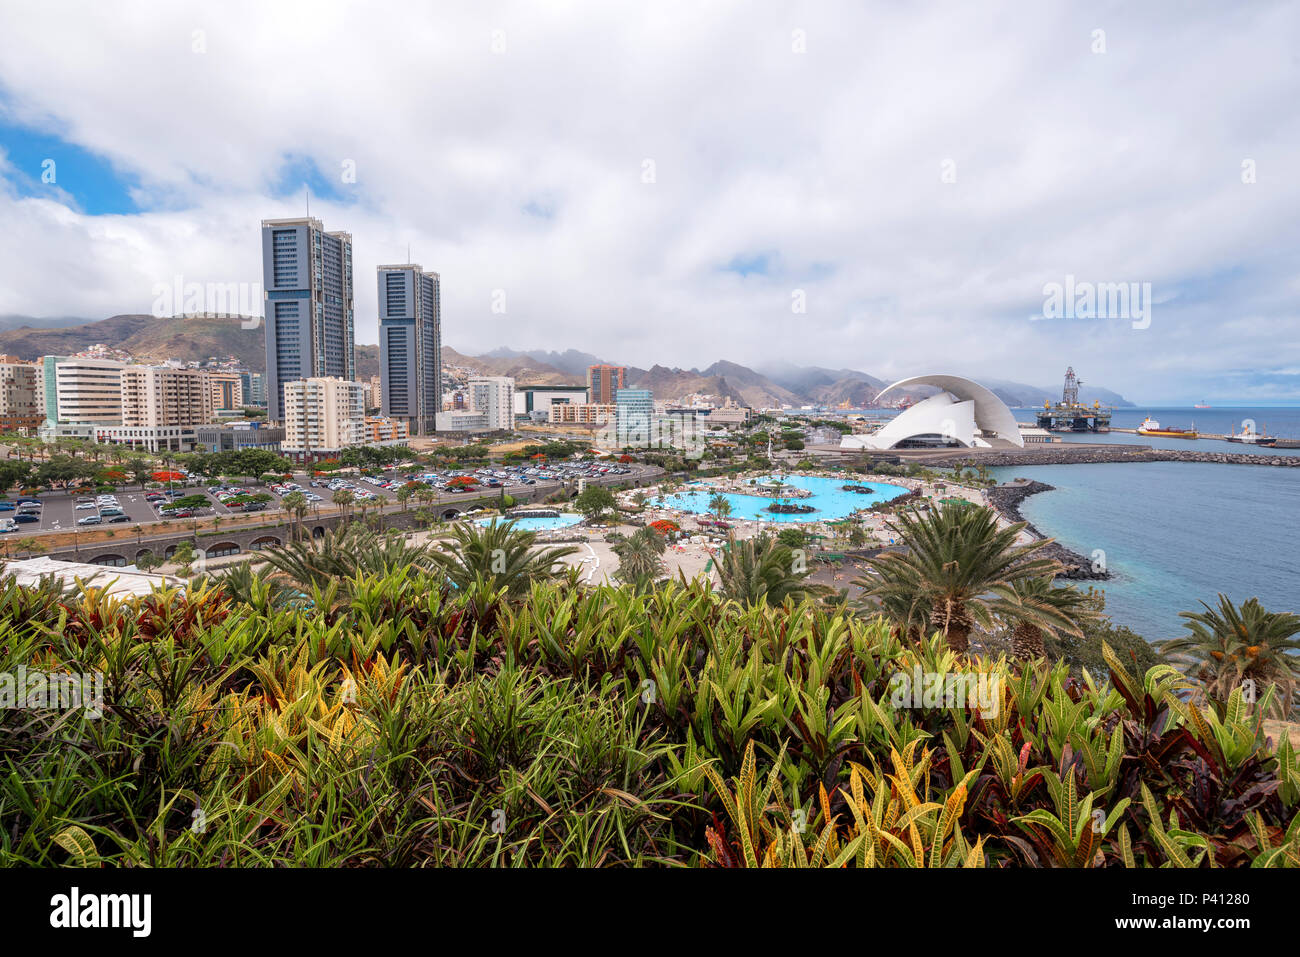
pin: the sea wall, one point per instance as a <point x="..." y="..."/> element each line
<point x="1063" y="455"/>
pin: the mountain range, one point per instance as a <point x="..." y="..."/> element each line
<point x="154" y="339"/>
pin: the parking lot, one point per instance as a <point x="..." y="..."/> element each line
<point x="64" y="512"/>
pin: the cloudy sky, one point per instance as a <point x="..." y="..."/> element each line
<point x="888" y="187"/>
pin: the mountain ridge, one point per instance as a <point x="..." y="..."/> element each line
<point x="772" y="385"/>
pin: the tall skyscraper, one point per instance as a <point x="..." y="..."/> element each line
<point x="410" y="345"/>
<point x="310" y="324"/>
<point x="603" y="382"/>
<point x="634" y="411"/>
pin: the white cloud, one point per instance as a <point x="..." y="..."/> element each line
<point x="1123" y="166"/>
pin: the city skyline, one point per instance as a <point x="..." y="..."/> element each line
<point x="699" y="200"/>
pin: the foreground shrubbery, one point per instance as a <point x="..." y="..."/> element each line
<point x="389" y="719"/>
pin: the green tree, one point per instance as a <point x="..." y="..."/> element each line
<point x="956" y="557"/>
<point x="594" y="501"/>
<point x="1232" y="644"/>
<point x="640" y="557"/>
<point x="1035" y="607"/>
<point x="762" y="570"/>
<point x="500" y="555"/>
<point x="183" y="558"/>
<point x="296" y="504"/>
<point x="342" y="498"/>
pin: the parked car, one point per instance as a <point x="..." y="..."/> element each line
<point x="6" y="506"/>
<point x="26" y="517"/>
<point x="119" y="518"/>
<point x="85" y="505"/>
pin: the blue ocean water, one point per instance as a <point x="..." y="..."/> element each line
<point x="1175" y="533"/>
<point x="828" y="498"/>
<point x="1281" y="422"/>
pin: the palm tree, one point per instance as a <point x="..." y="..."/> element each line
<point x="956" y="555"/>
<point x="500" y="555"/>
<point x="342" y="555"/>
<point x="718" y="504"/>
<point x="295" y="503"/>
<point x="1231" y="645"/>
<point x="761" y="569"/>
<point x="1035" y="606"/>
<point x="343" y="498"/>
<point x="640" y="557"/>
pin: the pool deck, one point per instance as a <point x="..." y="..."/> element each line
<point x="599" y="562"/>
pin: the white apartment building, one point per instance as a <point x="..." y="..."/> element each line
<point x="493" y="396"/>
<point x="491" y="407"/>
<point x="161" y="406"/>
<point x="322" y="416"/>
<point x="89" y="391"/>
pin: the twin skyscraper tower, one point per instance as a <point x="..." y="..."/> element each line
<point x="311" y="321"/>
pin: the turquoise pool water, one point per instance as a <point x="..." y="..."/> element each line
<point x="831" y="502"/>
<point x="537" y="523"/>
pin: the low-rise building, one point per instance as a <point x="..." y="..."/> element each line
<point x="236" y="436"/>
<point x="386" y="431"/>
<point x="586" y="413"/>
<point x="540" y="398"/>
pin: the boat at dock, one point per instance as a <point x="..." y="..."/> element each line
<point x="1150" y="426"/>
<point x="1248" y="436"/>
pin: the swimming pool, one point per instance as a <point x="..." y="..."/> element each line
<point x="828" y="498"/>
<point x="537" y="523"/>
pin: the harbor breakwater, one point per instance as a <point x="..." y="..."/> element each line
<point x="1007" y="498"/>
<point x="1120" y="453"/>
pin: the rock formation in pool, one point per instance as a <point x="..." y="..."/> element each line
<point x="789" y="508"/>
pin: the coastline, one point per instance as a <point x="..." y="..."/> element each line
<point x="1006" y="499"/>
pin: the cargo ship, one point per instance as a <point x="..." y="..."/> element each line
<point x="1248" y="436"/>
<point x="1150" y="426"/>
<point x="1201" y="405"/>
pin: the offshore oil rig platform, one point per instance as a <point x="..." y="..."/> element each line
<point x="1070" y="415"/>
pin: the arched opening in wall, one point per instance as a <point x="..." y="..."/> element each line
<point x="113" y="561"/>
<point x="318" y="531"/>
<point x="266" y="541"/>
<point x="221" y="550"/>
<point x="142" y="553"/>
<point x="449" y="513"/>
<point x="169" y="551"/>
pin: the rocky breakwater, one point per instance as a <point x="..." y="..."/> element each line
<point x="1064" y="455"/>
<point x="1007" y="498"/>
